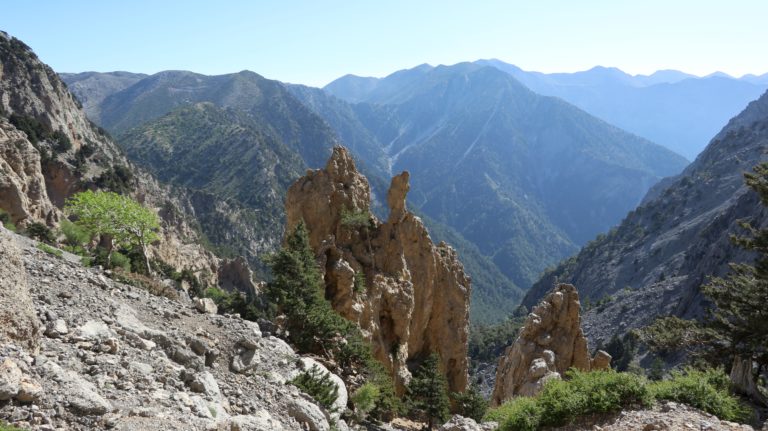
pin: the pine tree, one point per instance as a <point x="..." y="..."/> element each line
<point x="428" y="392"/>
<point x="740" y="316"/>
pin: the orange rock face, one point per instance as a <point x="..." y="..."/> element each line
<point x="549" y="344"/>
<point x="409" y="296"/>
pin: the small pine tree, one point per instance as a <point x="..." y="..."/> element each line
<point x="319" y="386"/>
<point x="428" y="393"/>
<point x="471" y="404"/>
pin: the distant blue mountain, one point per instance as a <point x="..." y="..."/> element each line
<point x="672" y="108"/>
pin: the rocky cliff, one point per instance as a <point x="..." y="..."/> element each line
<point x="654" y="262"/>
<point x="409" y="296"/>
<point x="550" y="342"/>
<point x="49" y="150"/>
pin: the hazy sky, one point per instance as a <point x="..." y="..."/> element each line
<point x="314" y="42"/>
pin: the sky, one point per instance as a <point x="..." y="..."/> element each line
<point x="314" y="42"/>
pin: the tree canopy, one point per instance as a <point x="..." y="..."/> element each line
<point x="117" y="217"/>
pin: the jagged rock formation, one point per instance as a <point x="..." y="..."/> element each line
<point x="117" y="357"/>
<point x="549" y="344"/>
<point x="409" y="296"/>
<point x="655" y="261"/>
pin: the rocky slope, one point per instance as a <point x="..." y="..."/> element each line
<point x="655" y="261"/>
<point x="409" y="296"/>
<point x="114" y="356"/>
<point x="550" y="343"/>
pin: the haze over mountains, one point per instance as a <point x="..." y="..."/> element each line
<point x="671" y="108"/>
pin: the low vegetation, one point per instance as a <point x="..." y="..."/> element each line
<point x="50" y="250"/>
<point x="600" y="392"/>
<point x="319" y="386"/>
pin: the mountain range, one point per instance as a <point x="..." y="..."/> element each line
<point x="671" y="108"/>
<point x="488" y="197"/>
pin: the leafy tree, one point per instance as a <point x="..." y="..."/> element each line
<point x="428" y="392"/>
<point x="115" y="218"/>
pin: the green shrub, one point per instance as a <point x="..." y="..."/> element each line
<point x="121" y="261"/>
<point x="319" y="386"/>
<point x="707" y="390"/>
<point x="5" y="218"/>
<point x="40" y="232"/>
<point x="50" y="250"/>
<point x="359" y="286"/>
<point x="355" y="219"/>
<point x="563" y="401"/>
<point x="470" y="404"/>
<point x="7" y="427"/>
<point x="364" y="399"/>
<point x="74" y="235"/>
<point x="61" y="144"/>
<point x="518" y="414"/>
<point x="591" y="392"/>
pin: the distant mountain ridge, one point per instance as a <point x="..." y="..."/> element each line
<point x="514" y="172"/>
<point x="677" y="110"/>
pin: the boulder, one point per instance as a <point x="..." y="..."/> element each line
<point x="550" y="342"/>
<point x="309" y="414"/>
<point x="10" y="379"/>
<point x="206" y="305"/>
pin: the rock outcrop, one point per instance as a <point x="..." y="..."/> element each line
<point x="18" y="321"/>
<point x="409" y="296"/>
<point x="23" y="194"/>
<point x="550" y="342"/>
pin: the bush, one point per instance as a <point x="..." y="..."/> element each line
<point x="61" y="142"/>
<point x="319" y="386"/>
<point x="518" y="414"/>
<point x="40" y="232"/>
<point x="706" y="390"/>
<point x="355" y="219"/>
<point x="364" y="399"/>
<point x="591" y="392"/>
<point x="121" y="261"/>
<point x="5" y="218"/>
<point x="359" y="286"/>
<point x="74" y="235"/>
<point x="563" y="401"/>
<point x="50" y="250"/>
<point x="470" y="404"/>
